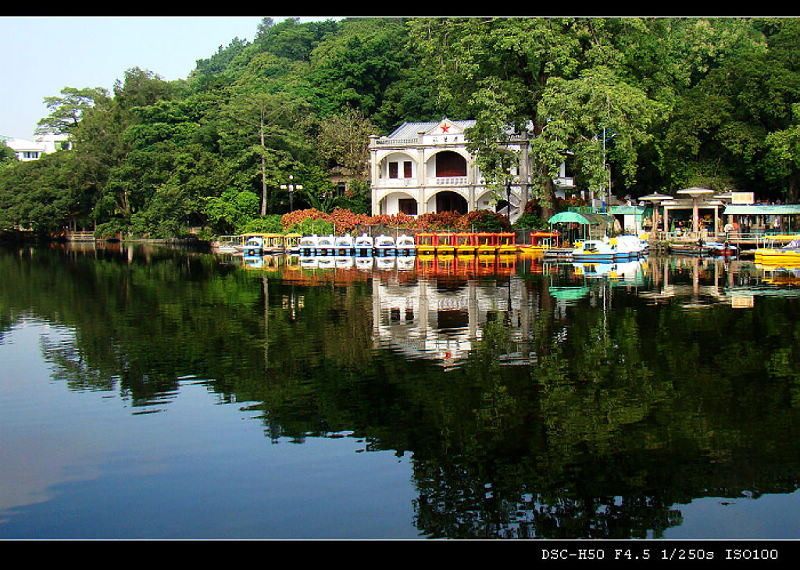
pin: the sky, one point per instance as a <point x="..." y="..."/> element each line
<point x="39" y="55"/>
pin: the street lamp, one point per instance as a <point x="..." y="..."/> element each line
<point x="291" y="187"/>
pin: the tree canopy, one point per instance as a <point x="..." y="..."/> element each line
<point x="636" y="104"/>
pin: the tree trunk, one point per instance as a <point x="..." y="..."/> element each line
<point x="263" y="171"/>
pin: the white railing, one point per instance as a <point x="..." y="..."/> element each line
<point x="397" y="182"/>
<point x="396" y="142"/>
<point x="448" y="181"/>
<point x="437" y="181"/>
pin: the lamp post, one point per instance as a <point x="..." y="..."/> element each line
<point x="291" y="187"/>
<point x="508" y="198"/>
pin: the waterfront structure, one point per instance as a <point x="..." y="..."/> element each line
<point x="425" y="167"/>
<point x="727" y="212"/>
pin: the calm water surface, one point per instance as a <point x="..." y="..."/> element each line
<point x="155" y="393"/>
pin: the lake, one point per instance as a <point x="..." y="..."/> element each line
<point x="150" y="392"/>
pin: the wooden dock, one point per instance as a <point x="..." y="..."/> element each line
<point x="79" y="236"/>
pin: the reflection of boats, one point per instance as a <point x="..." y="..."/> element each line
<point x="710" y="248"/>
<point x="363" y="245"/>
<point x="365" y="262"/>
<point x="344" y="261"/>
<point x="384" y="245"/>
<point x="569" y="293"/>
<point x="405" y="245"/>
<point x="343" y="245"/>
<point x="384" y="261"/>
<point x="782" y="276"/>
<point x="405" y="262"/>
<point x="270" y="261"/>
<point x="628" y="271"/>
<point x="788" y="254"/>
<point x="614" y="249"/>
<point x="308" y="261"/>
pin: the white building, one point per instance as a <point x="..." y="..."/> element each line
<point x="40" y="145"/>
<point x="425" y="167"/>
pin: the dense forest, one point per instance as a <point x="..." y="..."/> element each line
<point x="711" y="102"/>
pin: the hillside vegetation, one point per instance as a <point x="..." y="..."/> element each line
<point x="682" y="102"/>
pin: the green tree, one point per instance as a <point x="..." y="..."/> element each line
<point x="263" y="120"/>
<point x="42" y="195"/>
<point x="782" y="158"/>
<point x="7" y="155"/>
<point x="584" y="115"/>
<point x="231" y="211"/>
<point x="343" y="140"/>
<point x="497" y="69"/>
<point x="66" y="111"/>
<point x="719" y="130"/>
<point x="356" y="66"/>
<point x="504" y="70"/>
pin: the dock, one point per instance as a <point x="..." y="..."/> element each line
<point x="746" y="242"/>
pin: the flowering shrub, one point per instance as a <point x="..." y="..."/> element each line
<point x="345" y="221"/>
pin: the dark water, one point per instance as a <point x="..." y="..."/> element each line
<point x="155" y="393"/>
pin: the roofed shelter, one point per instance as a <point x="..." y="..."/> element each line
<point x="591" y="224"/>
<point x="766" y="215"/>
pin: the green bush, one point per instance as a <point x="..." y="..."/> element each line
<point x="311" y="226"/>
<point x="529" y="221"/>
<point x="269" y="224"/>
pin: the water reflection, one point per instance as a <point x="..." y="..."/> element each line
<point x="524" y="398"/>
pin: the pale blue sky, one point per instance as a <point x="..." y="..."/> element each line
<point x="41" y="55"/>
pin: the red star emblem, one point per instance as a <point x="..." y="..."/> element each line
<point x="445" y="128"/>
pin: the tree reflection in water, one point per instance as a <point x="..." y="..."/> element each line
<point x="547" y="401"/>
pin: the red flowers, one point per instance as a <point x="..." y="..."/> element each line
<point x="346" y="221"/>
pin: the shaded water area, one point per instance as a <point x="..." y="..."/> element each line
<point x="158" y="393"/>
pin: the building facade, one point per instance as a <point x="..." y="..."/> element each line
<point x="34" y="150"/>
<point x="425" y="167"/>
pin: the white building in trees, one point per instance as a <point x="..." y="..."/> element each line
<point x="425" y="167"/>
<point x="39" y="146"/>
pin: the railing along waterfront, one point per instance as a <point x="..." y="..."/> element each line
<point x="750" y="240"/>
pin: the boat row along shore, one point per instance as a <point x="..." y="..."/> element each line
<point x="549" y="244"/>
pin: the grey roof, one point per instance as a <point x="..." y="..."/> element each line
<point x="410" y="130"/>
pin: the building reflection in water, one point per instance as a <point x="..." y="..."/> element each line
<point x="436" y="307"/>
<point x="438" y="310"/>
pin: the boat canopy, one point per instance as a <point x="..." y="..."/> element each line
<point x="586" y="218"/>
<point x="762" y="209"/>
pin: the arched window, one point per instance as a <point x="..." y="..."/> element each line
<point x="449" y="163"/>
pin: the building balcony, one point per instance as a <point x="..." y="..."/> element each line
<point x="444" y="181"/>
